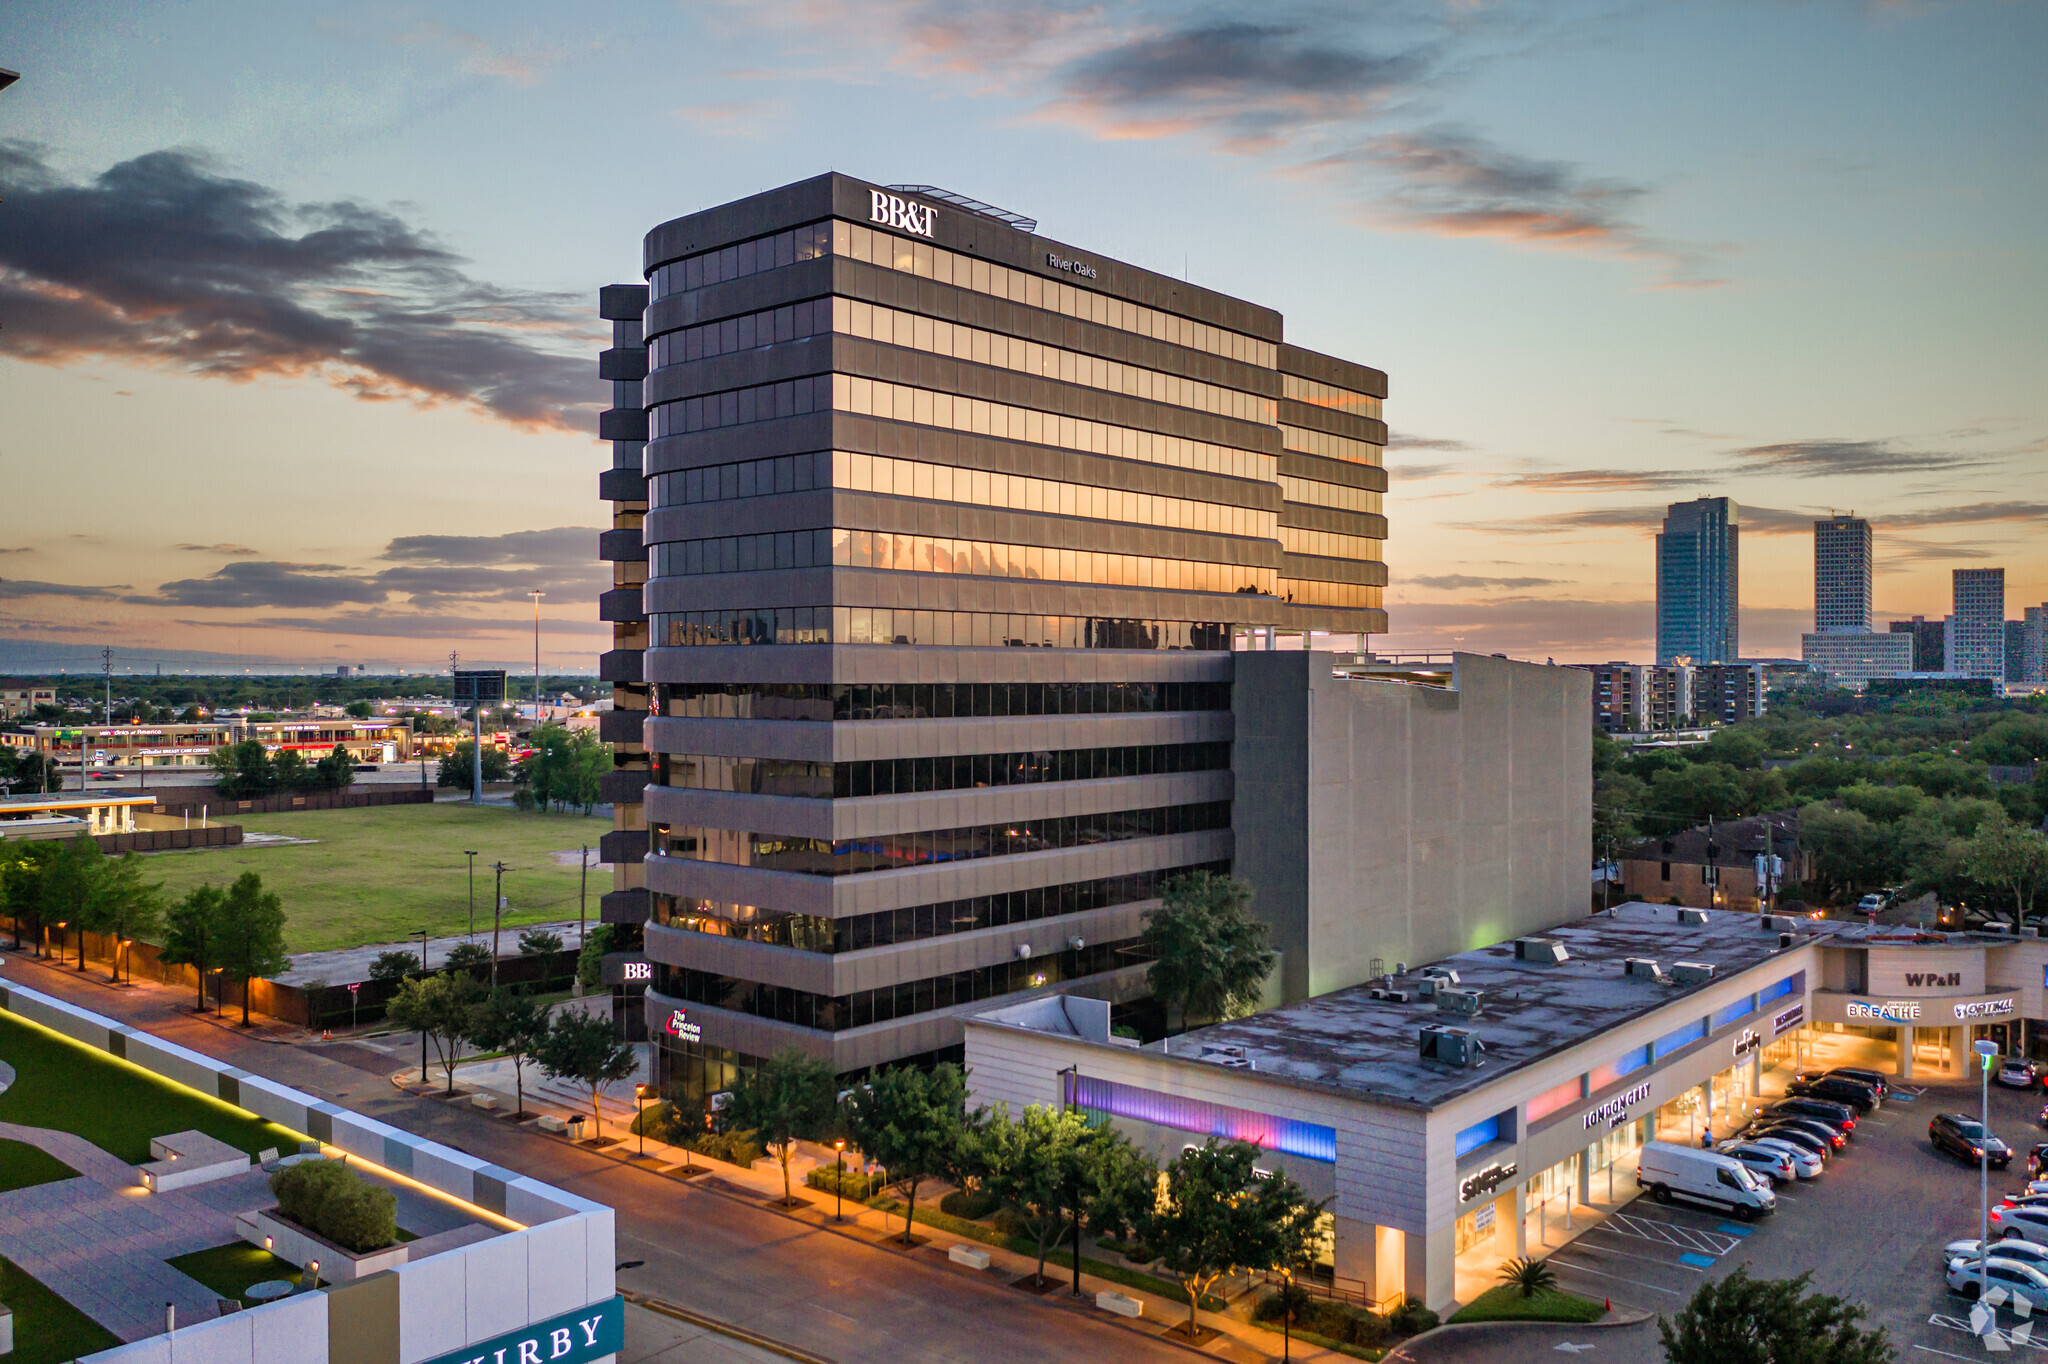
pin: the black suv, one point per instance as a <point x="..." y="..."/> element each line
<point x="1836" y="1089"/>
<point x="1872" y="1078"/>
<point x="1841" y="1117"/>
<point x="1965" y="1138"/>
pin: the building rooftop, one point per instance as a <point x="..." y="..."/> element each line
<point x="1350" y="1042"/>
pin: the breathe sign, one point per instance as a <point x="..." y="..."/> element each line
<point x="573" y="1338"/>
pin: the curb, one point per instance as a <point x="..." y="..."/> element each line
<point x="1468" y="1328"/>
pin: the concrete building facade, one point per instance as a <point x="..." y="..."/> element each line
<point x="1699" y="617"/>
<point x="951" y="532"/>
<point x="1841" y="575"/>
<point x="1852" y="658"/>
<point x="1930" y="654"/>
<point x="1975" y="642"/>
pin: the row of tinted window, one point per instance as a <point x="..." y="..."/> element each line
<point x="1317" y="592"/>
<point x="943" y="629"/>
<point x="742" y="258"/>
<point x="913" y="923"/>
<point x="935" y="700"/>
<point x="957" y="772"/>
<point x="854" y="856"/>
<point x="831" y="1014"/>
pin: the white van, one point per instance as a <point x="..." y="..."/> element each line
<point x="1671" y="1171"/>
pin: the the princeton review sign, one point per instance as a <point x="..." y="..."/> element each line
<point x="573" y="1338"/>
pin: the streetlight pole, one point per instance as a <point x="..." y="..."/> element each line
<point x="497" y="913"/>
<point x="839" y="1181"/>
<point x="1986" y="1050"/>
<point x="470" y="853"/>
<point x="536" y="594"/>
<point x="640" y="1116"/>
<point x="421" y="934"/>
<point x="1070" y="1082"/>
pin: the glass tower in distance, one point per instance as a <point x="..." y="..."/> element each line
<point x="1841" y="575"/>
<point x="1698" y="577"/>
<point x="951" y="532"/>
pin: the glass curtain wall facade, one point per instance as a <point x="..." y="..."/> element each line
<point x="1841" y="575"/>
<point x="1698" y="571"/>
<point x="951" y="532"/>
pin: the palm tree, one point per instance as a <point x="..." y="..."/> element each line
<point x="1530" y="1276"/>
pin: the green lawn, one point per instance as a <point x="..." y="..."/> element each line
<point x="1506" y="1303"/>
<point x="378" y="874"/>
<point x="22" y="1165"/>
<point x="229" y="1270"/>
<point x="47" y="1329"/>
<point x="118" y="1107"/>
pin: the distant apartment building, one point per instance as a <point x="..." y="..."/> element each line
<point x="2016" y="651"/>
<point x="1975" y="641"/>
<point x="1841" y="575"/>
<point x="1621" y="700"/>
<point x="1698" y="573"/>
<point x="20" y="698"/>
<point x="2034" y="645"/>
<point x="1852" y="658"/>
<point x="1930" y="649"/>
<point x="1727" y="692"/>
<point x="1668" y="695"/>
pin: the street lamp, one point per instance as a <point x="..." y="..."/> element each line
<point x="839" y="1182"/>
<point x="1069" y="1092"/>
<point x="640" y="1116"/>
<point x="497" y="913"/>
<point x="536" y="594"/>
<point x="470" y="853"/>
<point x="421" y="934"/>
<point x="1987" y="1052"/>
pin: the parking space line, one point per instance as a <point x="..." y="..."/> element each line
<point x="1577" y="1268"/>
<point x="1669" y="1234"/>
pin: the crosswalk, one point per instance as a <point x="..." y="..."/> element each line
<point x="1706" y="1243"/>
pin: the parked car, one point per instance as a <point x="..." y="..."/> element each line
<point x="1814" y="1125"/>
<point x="2023" y="1199"/>
<point x="1839" y="1115"/>
<point x="2012" y="1248"/>
<point x="1840" y="1089"/>
<point x="1967" y="1139"/>
<point x="2018" y="1280"/>
<point x="2029" y="1223"/>
<point x="1772" y="1162"/>
<point x="2037" y="1159"/>
<point x="1670" y="1171"/>
<point x="2017" y="1073"/>
<point x="1807" y="1164"/>
<point x="1874" y="1079"/>
<point x="1870" y="904"/>
<point x="1798" y="1136"/>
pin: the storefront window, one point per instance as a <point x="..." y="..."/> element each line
<point x="1475" y="1228"/>
<point x="1616" y="1148"/>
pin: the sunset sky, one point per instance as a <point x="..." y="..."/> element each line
<point x="297" y="302"/>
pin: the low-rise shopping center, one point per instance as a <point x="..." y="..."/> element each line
<point x="1489" y="1105"/>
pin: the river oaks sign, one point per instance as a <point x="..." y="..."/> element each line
<point x="573" y="1338"/>
<point x="1072" y="267"/>
<point x="894" y="211"/>
<point x="1615" y="1111"/>
<point x="1484" y="1182"/>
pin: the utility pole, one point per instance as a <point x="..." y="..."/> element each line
<point x="497" y="912"/>
<point x="536" y="594"/>
<point x="471" y="855"/>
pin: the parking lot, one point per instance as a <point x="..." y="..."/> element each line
<point x="1871" y="1229"/>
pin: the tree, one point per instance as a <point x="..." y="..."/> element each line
<point x="1210" y="959"/>
<point x="336" y="771"/>
<point x="2010" y="857"/>
<point x="360" y="710"/>
<point x="1057" y="1170"/>
<point x="513" y="1024"/>
<point x="68" y="883"/>
<point x="245" y="769"/>
<point x="192" y="936"/>
<point x="1217" y="1212"/>
<point x="1529" y="1277"/>
<point x="564" y="767"/>
<point x="586" y="1049"/>
<point x="391" y="967"/>
<point x="590" y="961"/>
<point x="122" y="906"/>
<point x="457" y="767"/>
<point x="289" y="771"/>
<point x="251" y="933"/>
<point x="539" y="942"/>
<point x="442" y="1009"/>
<point x="787" y="1099"/>
<point x="470" y="958"/>
<point x="913" y="1122"/>
<point x="1844" y="847"/>
<point x="25" y="886"/>
<point x="1741" y="1320"/>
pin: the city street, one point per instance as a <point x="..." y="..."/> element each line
<point x="826" y="1294"/>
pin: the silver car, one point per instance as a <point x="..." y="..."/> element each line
<point x="1772" y="1162"/>
<point x="2018" y="1280"/>
<point x="1806" y="1164"/>
<point x="2012" y="1248"/>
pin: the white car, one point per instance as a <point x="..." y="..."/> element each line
<point x="2017" y="1074"/>
<point x="1772" y="1162"/>
<point x="2013" y="1248"/>
<point x="2018" y="1280"/>
<point x="1870" y="904"/>
<point x="1806" y="1164"/>
<point x="2027" y="1221"/>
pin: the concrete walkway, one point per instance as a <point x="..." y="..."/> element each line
<point x="100" y="1241"/>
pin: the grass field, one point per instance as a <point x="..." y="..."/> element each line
<point x="1506" y="1303"/>
<point x="47" y="1329"/>
<point x="378" y="874"/>
<point x="229" y="1270"/>
<point x="65" y="1085"/>
<point x="22" y="1165"/>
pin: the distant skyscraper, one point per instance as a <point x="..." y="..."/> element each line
<point x="1976" y="626"/>
<point x="1929" y="643"/>
<point x="1841" y="575"/>
<point x="2034" y="644"/>
<point x="1698" y="616"/>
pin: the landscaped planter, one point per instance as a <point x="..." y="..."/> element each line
<point x="293" y="1243"/>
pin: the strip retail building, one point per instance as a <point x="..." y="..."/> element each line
<point x="1491" y="1105"/>
<point x="1028" y="530"/>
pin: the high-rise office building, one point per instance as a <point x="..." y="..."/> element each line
<point x="1929" y="643"/>
<point x="1841" y="575"/>
<point x="1063" y="488"/>
<point x="1976" y="624"/>
<point x="1698" y="579"/>
<point x="2034" y="645"/>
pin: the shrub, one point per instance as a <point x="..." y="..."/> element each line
<point x="1411" y="1318"/>
<point x="1332" y="1320"/>
<point x="394" y="966"/>
<point x="472" y="957"/>
<point x="737" y="1147"/>
<point x="331" y="1200"/>
<point x="973" y="1204"/>
<point x="854" y="1184"/>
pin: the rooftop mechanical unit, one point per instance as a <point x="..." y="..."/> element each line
<point x="1778" y="923"/>
<point x="1644" y="969"/>
<point x="1391" y="996"/>
<point x="1466" y="1002"/>
<point x="1691" y="972"/>
<point x="1695" y="917"/>
<point x="1542" y="951"/>
<point x="1459" y="1048"/>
